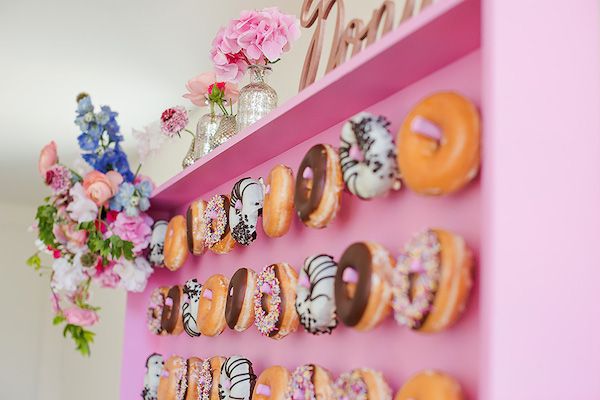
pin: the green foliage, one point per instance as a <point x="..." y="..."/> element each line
<point x="35" y="262"/>
<point x="82" y="338"/>
<point x="112" y="248"/>
<point x="45" y="216"/>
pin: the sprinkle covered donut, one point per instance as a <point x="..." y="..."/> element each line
<point x="239" y="310"/>
<point x="362" y="384"/>
<point x="368" y="156"/>
<point x="430" y="385"/>
<point x="203" y="379"/>
<point x="216" y="222"/>
<point x="189" y="308"/>
<point x="173" y="382"/>
<point x="171" y="320"/>
<point x="318" y="186"/>
<point x="274" y="312"/>
<point x="237" y="379"/>
<point x="432" y="281"/>
<point x="195" y="227"/>
<point x="315" y="294"/>
<point x="310" y="382"/>
<point x="155" y="310"/>
<point x="246" y="206"/>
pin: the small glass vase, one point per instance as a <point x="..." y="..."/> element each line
<point x="189" y="158"/>
<point x="207" y="127"/>
<point x="227" y="130"/>
<point x="257" y="98"/>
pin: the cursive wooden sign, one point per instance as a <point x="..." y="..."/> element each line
<point x="348" y="39"/>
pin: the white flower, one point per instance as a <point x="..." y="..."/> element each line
<point x="41" y="246"/>
<point x="134" y="274"/>
<point x="82" y="208"/>
<point x="149" y="140"/>
<point x="67" y="277"/>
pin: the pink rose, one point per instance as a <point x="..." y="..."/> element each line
<point x="136" y="229"/>
<point x="48" y="158"/>
<point x="81" y="317"/>
<point x="102" y="187"/>
<point x="198" y="87"/>
<point x="68" y="235"/>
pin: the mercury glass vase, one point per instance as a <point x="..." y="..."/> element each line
<point x="257" y="98"/>
<point x="189" y="158"/>
<point x="227" y="130"/>
<point x="207" y="127"/>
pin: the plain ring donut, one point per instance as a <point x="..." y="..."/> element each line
<point x="176" y="243"/>
<point x="428" y="385"/>
<point x="272" y="384"/>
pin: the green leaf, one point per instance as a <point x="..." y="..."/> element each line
<point x="59" y="319"/>
<point x="45" y="216"/>
<point x="35" y="262"/>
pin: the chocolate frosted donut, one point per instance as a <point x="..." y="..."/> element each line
<point x="239" y="310"/>
<point x="171" y="320"/>
<point x="318" y="186"/>
<point x="362" y="289"/>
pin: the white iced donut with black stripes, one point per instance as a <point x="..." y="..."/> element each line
<point x="237" y="379"/>
<point x="189" y="308"/>
<point x="368" y="156"/>
<point x="246" y="204"/>
<point x="315" y="294"/>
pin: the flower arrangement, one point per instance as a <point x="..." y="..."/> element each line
<point x="204" y="89"/>
<point x="256" y="37"/>
<point x="93" y="225"/>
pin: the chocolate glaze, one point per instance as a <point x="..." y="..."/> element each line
<point x="235" y="299"/>
<point x="306" y="200"/>
<point x="351" y="309"/>
<point x="190" y="228"/>
<point x="170" y="314"/>
<point x="226" y="204"/>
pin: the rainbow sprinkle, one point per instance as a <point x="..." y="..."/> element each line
<point x="301" y="386"/>
<point x="267" y="281"/>
<point x="215" y="211"/>
<point x="154" y="311"/>
<point x="351" y="386"/>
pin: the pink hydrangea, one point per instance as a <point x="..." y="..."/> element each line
<point x="173" y="120"/>
<point x="136" y="229"/>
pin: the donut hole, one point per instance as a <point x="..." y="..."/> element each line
<point x="266" y="303"/>
<point x="413" y="278"/>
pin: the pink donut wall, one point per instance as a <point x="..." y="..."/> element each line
<point x="395" y="351"/>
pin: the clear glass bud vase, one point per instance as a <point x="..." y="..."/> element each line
<point x="205" y="132"/>
<point x="257" y="98"/>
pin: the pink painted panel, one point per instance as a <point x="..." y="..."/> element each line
<point x="396" y="351"/>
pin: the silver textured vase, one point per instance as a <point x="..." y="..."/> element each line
<point x="207" y="127"/>
<point x="227" y="130"/>
<point x="257" y="98"/>
<point x="189" y="158"/>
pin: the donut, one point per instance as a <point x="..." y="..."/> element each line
<point x="310" y="382"/>
<point x="278" y="207"/>
<point x="429" y="385"/>
<point x="157" y="243"/>
<point x="217" y="234"/>
<point x="272" y="384"/>
<point x="189" y="309"/>
<point x="274" y="312"/>
<point x="195" y="227"/>
<point x="318" y="186"/>
<point x="237" y="379"/>
<point x="362" y="384"/>
<point x="432" y="281"/>
<point x="154" y="368"/>
<point x="368" y="156"/>
<point x="155" y="310"/>
<point x="193" y="373"/>
<point x="315" y="294"/>
<point x="171" y="320"/>
<point x="176" y="245"/>
<point x="202" y="377"/>
<point x="245" y="207"/>
<point x="439" y="144"/>
<point x="239" y="310"/>
<point x="173" y="382"/>
<point x="362" y="285"/>
<point x="211" y="307"/>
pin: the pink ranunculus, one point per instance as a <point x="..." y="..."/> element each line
<point x="198" y="88"/>
<point x="48" y="158"/>
<point x="81" y="317"/>
<point x="136" y="229"/>
<point x="81" y="208"/>
<point x="101" y="187"/>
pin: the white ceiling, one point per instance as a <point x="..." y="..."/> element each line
<point x="134" y="55"/>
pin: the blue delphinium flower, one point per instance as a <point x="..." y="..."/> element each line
<point x="84" y="105"/>
<point x="88" y="142"/>
<point x="132" y="198"/>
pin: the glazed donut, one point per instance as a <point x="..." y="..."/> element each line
<point x="272" y="384"/>
<point x="176" y="245"/>
<point x="154" y="368"/>
<point x="211" y="307"/>
<point x="239" y="310"/>
<point x="193" y="373"/>
<point x="245" y="208"/>
<point x="429" y="385"/>
<point x="310" y="382"/>
<point x="274" y="312"/>
<point x="439" y="144"/>
<point x="315" y="294"/>
<point x="157" y="243"/>
<point x="216" y="222"/>
<point x="189" y="309"/>
<point x="368" y="156"/>
<point x="432" y="281"/>
<point x="173" y="382"/>
<point x="195" y="227"/>
<point x="362" y="384"/>
<point x="155" y="310"/>
<point x="171" y="320"/>
<point x="278" y="202"/>
<point x="237" y="379"/>
<point x="362" y="285"/>
<point x="318" y="186"/>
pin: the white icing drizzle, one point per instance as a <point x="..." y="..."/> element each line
<point x="316" y="304"/>
<point x="237" y="379"/>
<point x="248" y="194"/>
<point x="378" y="172"/>
<point x="189" y="308"/>
<point x="154" y="368"/>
